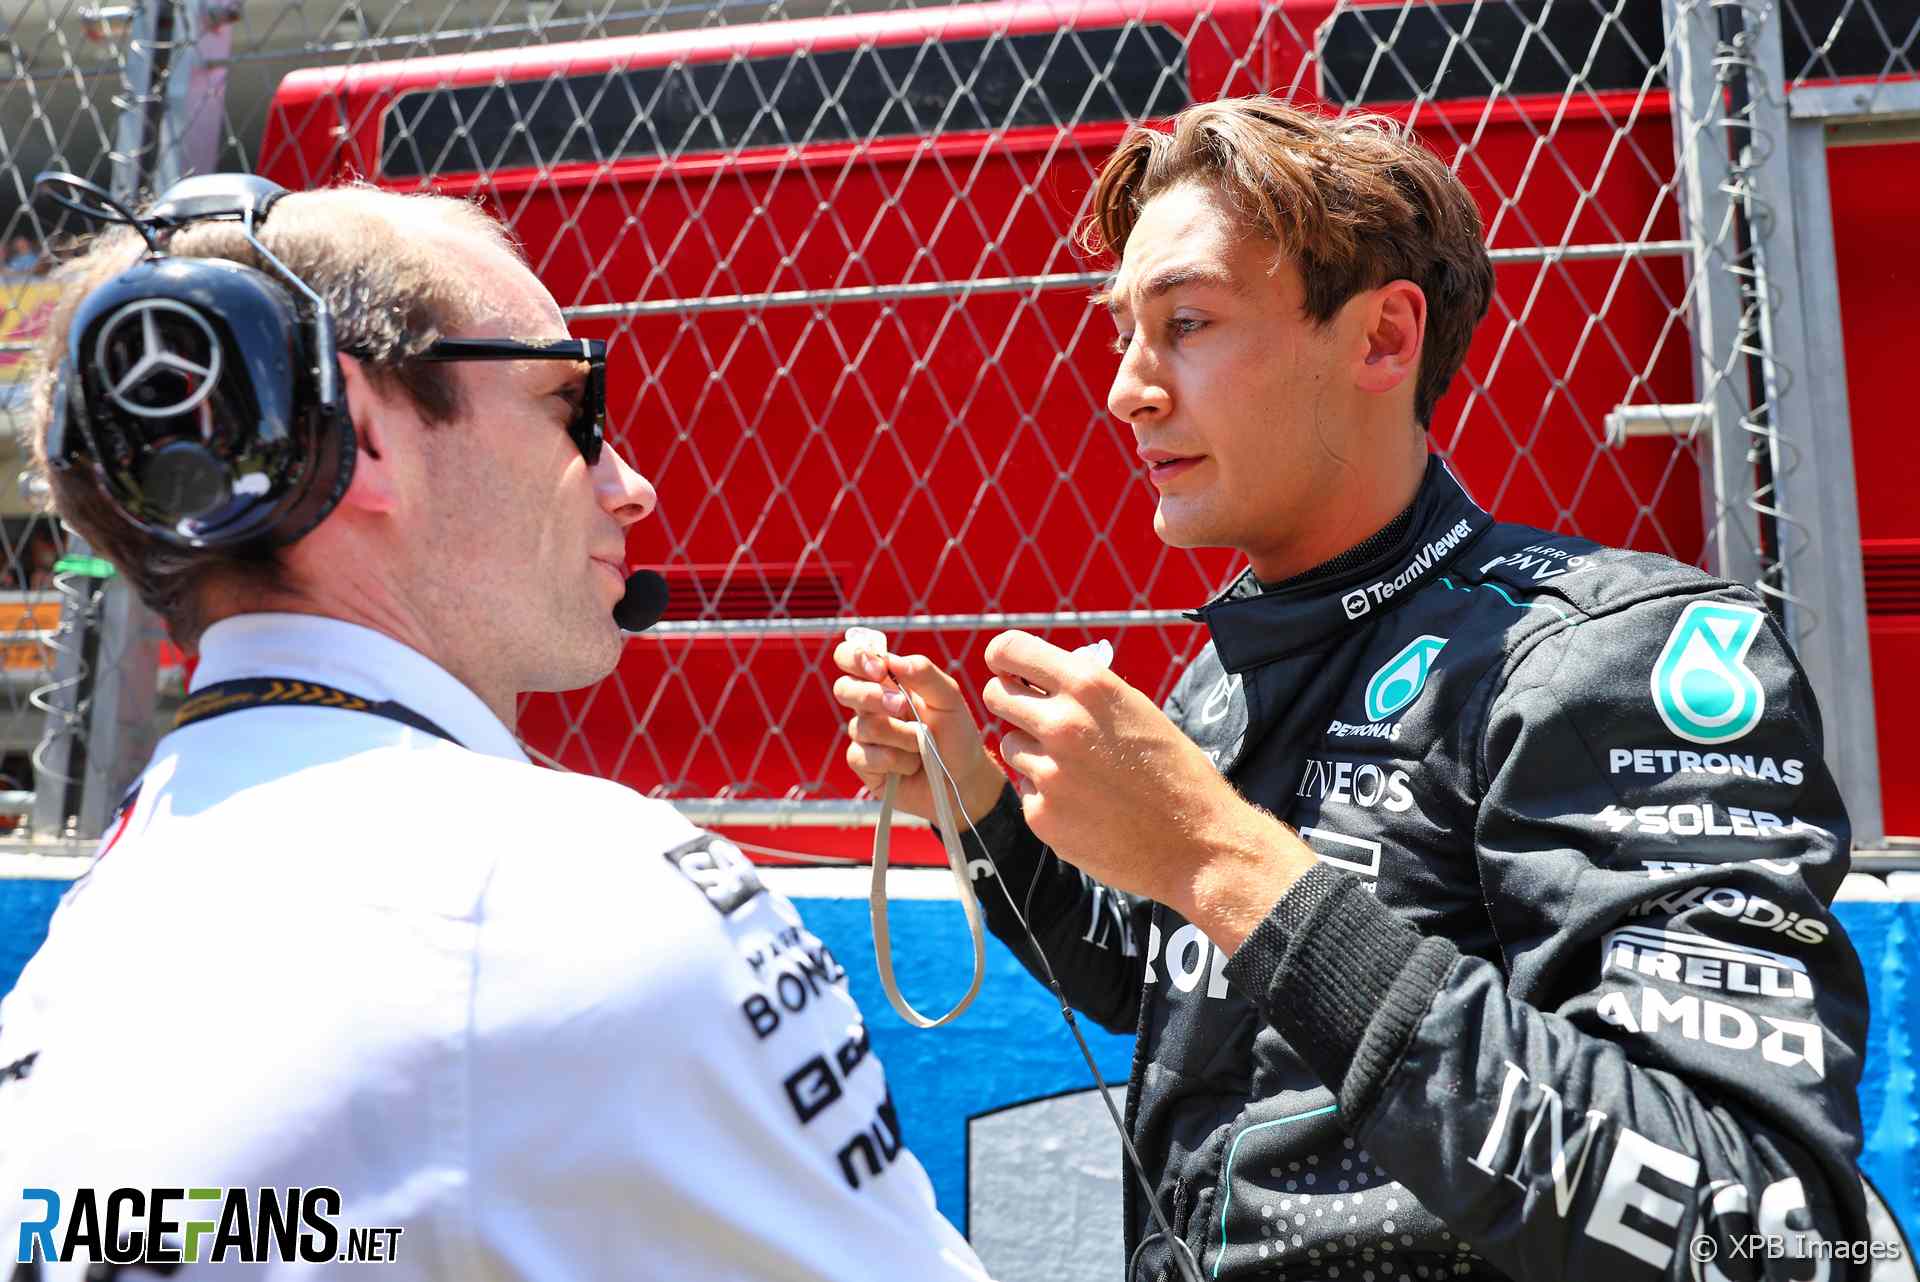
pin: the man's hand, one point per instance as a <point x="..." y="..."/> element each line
<point x="884" y="740"/>
<point x="1116" y="790"/>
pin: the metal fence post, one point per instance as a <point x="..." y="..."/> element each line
<point x="1706" y="183"/>
<point x="1813" y="479"/>
<point x="1828" y="617"/>
<point x="70" y="761"/>
<point x="59" y="762"/>
<point x="100" y="706"/>
<point x="1767" y="330"/>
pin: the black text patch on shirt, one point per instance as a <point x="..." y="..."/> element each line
<point x="723" y="874"/>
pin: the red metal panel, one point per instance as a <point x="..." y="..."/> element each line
<point x="1875" y="191"/>
<point x="969" y="442"/>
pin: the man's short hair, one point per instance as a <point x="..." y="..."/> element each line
<point x="1353" y="202"/>
<point x="393" y="287"/>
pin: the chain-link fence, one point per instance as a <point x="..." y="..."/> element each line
<point x="851" y="341"/>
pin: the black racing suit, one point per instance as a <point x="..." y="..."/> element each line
<point x="1563" y="994"/>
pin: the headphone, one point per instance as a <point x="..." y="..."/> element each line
<point x="204" y="395"/>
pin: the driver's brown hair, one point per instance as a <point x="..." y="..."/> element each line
<point x="1353" y="201"/>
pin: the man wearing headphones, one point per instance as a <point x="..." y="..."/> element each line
<point x="312" y="981"/>
<point x="1469" y="900"/>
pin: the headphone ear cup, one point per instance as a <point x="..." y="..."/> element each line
<point x="194" y="397"/>
<point x="190" y="398"/>
<point x="335" y="449"/>
<point x="338" y="428"/>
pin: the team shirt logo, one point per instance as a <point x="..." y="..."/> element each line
<point x="1702" y="686"/>
<point x="723" y="874"/>
<point x="1360" y="600"/>
<point x="1401" y="678"/>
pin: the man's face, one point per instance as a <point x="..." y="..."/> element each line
<point x="524" y="543"/>
<point x="1232" y="392"/>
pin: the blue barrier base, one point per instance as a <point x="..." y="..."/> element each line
<point x="1011" y="1046"/>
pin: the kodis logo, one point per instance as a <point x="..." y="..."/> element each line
<point x="1355" y="603"/>
<point x="1701" y="685"/>
<point x="1401" y="678"/>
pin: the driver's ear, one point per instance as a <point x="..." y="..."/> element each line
<point x="1395" y="327"/>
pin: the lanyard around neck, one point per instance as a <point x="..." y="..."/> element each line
<point x="284" y="692"/>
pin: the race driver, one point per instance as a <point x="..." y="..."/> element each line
<point x="1469" y="899"/>
<point x="314" y="961"/>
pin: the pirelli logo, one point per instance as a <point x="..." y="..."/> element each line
<point x="1654" y="1011"/>
<point x="1699" y="962"/>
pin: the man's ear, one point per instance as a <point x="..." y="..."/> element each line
<point x="1395" y="329"/>
<point x="374" y="486"/>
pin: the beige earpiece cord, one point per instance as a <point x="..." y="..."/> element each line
<point x="949" y="828"/>
<point x="947" y="822"/>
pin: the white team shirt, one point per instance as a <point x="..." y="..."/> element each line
<point x="468" y="992"/>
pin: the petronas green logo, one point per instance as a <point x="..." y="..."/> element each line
<point x="1701" y="684"/>
<point x="1401" y="678"/>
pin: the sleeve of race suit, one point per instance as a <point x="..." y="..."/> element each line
<point x="1666" y="1062"/>
<point x="1090" y="933"/>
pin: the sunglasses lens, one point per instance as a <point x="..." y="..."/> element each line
<point x="588" y="436"/>
<point x="589" y="425"/>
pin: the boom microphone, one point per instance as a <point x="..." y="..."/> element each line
<point x="644" y="603"/>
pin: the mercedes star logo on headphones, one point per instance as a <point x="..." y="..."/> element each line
<point x="161" y="380"/>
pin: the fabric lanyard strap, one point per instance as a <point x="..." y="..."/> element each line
<point x="284" y="692"/>
<point x="948" y="822"/>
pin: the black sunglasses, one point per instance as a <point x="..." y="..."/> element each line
<point x="589" y="424"/>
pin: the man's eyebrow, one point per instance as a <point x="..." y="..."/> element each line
<point x="1172" y="278"/>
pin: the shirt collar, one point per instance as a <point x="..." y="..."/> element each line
<point x="359" y="660"/>
<point x="1315" y="609"/>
